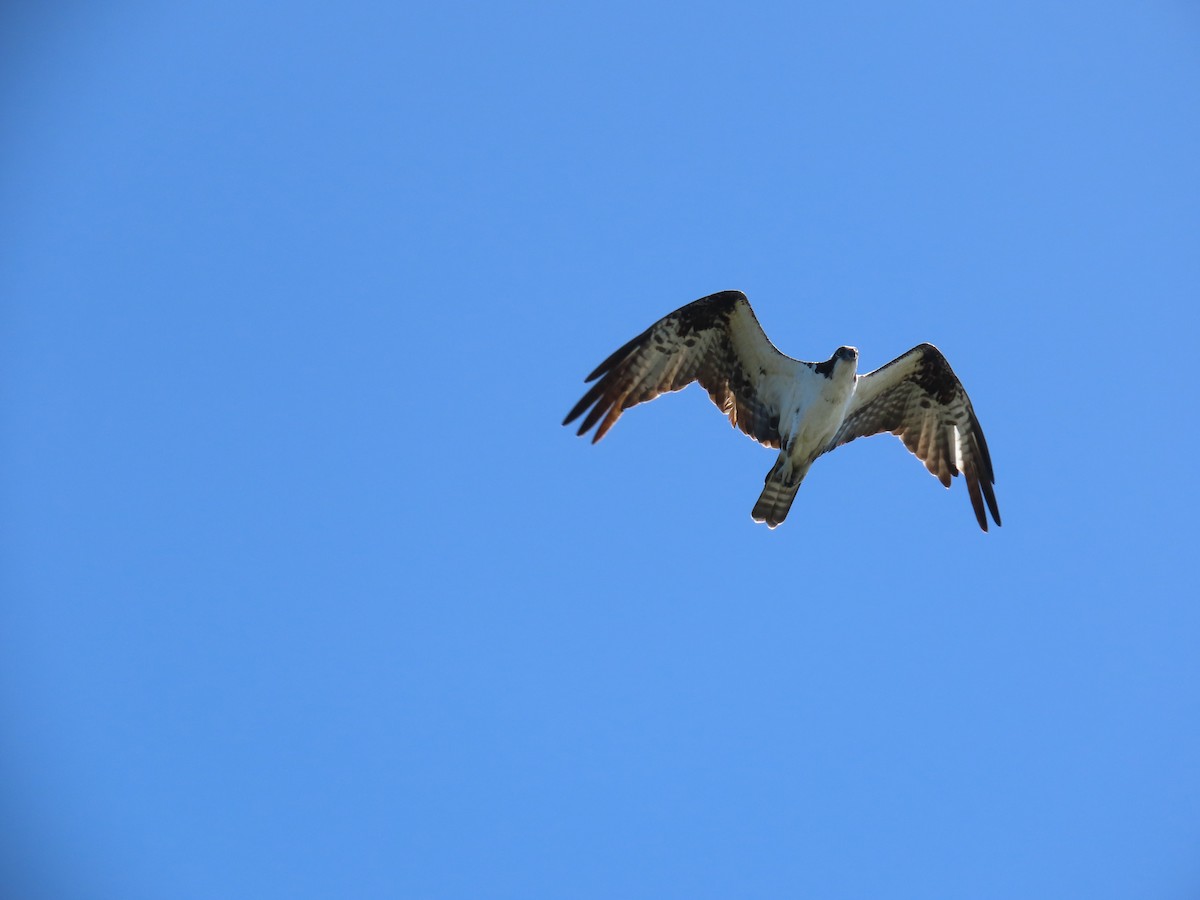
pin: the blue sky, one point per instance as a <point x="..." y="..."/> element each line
<point x="306" y="593"/>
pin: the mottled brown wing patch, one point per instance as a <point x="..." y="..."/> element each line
<point x="918" y="398"/>
<point x="694" y="343"/>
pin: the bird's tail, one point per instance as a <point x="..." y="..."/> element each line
<point x="780" y="490"/>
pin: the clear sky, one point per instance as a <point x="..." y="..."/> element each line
<point x="307" y="594"/>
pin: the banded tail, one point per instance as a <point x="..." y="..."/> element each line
<point x="780" y="490"/>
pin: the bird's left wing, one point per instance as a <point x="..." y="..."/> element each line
<point x="715" y="340"/>
<point x="918" y="398"/>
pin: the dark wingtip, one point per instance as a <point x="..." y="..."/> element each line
<point x="984" y="479"/>
<point x="977" y="501"/>
<point x="989" y="494"/>
<point x="573" y="414"/>
<point x="592" y="395"/>
<point x="976" y="497"/>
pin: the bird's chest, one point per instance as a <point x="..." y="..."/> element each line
<point x="815" y="415"/>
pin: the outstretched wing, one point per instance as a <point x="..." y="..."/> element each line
<point x="918" y="398"/>
<point x="717" y="341"/>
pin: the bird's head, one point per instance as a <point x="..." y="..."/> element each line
<point x="843" y="363"/>
<point x="845" y="359"/>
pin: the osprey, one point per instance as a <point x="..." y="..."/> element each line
<point x="802" y="409"/>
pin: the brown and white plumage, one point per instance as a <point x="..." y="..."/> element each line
<point x="918" y="398"/>
<point x="803" y="409"/>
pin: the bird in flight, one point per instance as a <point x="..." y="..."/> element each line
<point x="802" y="409"/>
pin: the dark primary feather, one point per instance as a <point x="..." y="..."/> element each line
<point x="715" y="340"/>
<point x="918" y="398"/>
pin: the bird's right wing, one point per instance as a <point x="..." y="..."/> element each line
<point x="918" y="398"/>
<point x="715" y="340"/>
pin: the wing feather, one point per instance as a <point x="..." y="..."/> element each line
<point x="715" y="340"/>
<point x="918" y="398"/>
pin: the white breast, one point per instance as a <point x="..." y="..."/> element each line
<point x="814" y="412"/>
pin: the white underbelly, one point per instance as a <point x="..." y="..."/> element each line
<point x="813" y="425"/>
